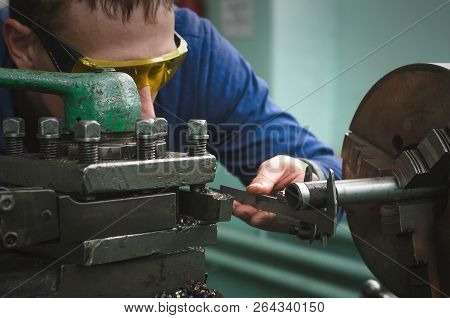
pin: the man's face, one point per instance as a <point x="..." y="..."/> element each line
<point x="98" y="36"/>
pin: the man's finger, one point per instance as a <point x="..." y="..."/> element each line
<point x="265" y="180"/>
<point x="243" y="211"/>
<point x="268" y="221"/>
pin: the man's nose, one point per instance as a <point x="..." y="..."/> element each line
<point x="147" y="108"/>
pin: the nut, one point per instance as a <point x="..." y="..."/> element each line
<point x="145" y="128"/>
<point x="48" y="128"/>
<point x="88" y="131"/>
<point x="14" y="127"/>
<point x="197" y="127"/>
<point x="161" y="127"/>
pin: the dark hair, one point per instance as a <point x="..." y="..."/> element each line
<point x="48" y="13"/>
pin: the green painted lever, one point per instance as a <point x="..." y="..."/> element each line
<point x="111" y="98"/>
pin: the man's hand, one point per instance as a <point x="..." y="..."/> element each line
<point x="273" y="176"/>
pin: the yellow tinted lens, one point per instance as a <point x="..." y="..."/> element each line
<point x="154" y="75"/>
<point x="153" y="72"/>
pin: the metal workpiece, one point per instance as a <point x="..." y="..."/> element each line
<point x="88" y="135"/>
<point x="110" y="98"/>
<point x="309" y="195"/>
<point x="127" y="247"/>
<point x="146" y="139"/>
<point x="81" y="221"/>
<point x="48" y="136"/>
<point x="197" y="137"/>
<point x="28" y="217"/>
<point x="209" y="206"/>
<point x="161" y="131"/>
<point x="14" y="132"/>
<point x="107" y="177"/>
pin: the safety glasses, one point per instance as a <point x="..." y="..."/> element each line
<point x="153" y="72"/>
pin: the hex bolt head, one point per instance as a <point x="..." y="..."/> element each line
<point x="197" y="128"/>
<point x="197" y="137"/>
<point x="161" y="131"/>
<point x="146" y="129"/>
<point x="161" y="127"/>
<point x="48" y="128"/>
<point x="88" y="131"/>
<point x="146" y="139"/>
<point x="14" y="127"/>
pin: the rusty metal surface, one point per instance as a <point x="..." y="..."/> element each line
<point x="399" y="246"/>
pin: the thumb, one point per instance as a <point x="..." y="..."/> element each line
<point x="265" y="181"/>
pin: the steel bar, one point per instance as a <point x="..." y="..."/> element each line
<point x="384" y="189"/>
<point x="127" y="247"/>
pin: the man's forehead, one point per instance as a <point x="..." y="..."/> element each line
<point x="99" y="35"/>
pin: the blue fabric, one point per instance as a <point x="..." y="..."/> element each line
<point x="215" y="83"/>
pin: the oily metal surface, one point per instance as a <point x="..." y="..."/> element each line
<point x="396" y="114"/>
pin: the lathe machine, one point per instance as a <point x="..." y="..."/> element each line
<point x="102" y="209"/>
<point x="99" y="212"/>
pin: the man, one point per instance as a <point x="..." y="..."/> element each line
<point x="214" y="83"/>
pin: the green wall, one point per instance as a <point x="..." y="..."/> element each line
<point x="366" y="25"/>
<point x="304" y="50"/>
<point x="305" y="41"/>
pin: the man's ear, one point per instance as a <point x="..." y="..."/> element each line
<point x="23" y="45"/>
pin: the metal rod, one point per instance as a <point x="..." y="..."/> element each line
<point x="384" y="189"/>
<point x="381" y="189"/>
